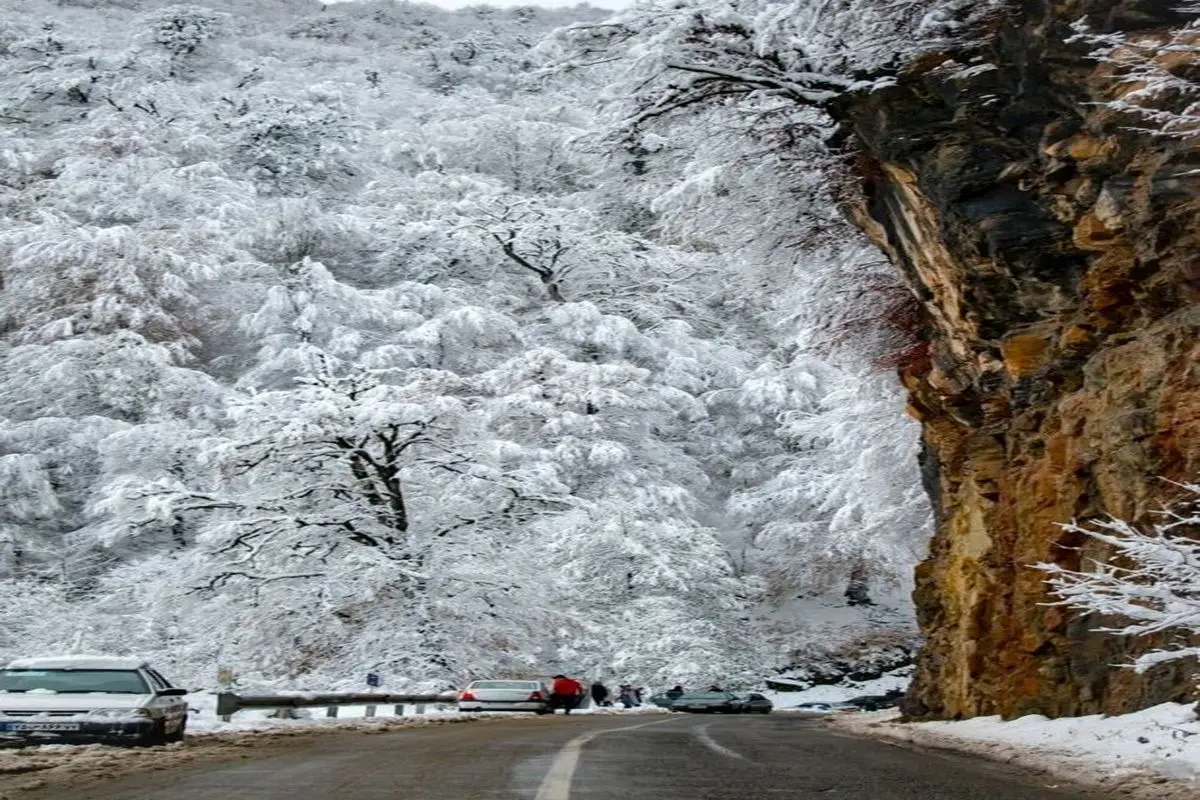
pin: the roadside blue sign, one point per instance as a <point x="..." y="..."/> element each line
<point x="372" y="679"/>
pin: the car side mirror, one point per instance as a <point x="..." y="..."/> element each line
<point x="171" y="692"/>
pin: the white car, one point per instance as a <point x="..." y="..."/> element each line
<point x="75" y="699"/>
<point x="505" y="696"/>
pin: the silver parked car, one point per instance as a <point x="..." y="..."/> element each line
<point x="505" y="696"/>
<point x="89" y="699"/>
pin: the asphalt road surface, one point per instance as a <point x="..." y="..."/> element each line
<point x="631" y="757"/>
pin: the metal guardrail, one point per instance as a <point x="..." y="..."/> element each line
<point x="229" y="703"/>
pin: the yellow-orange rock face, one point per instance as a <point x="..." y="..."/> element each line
<point x="1056" y="254"/>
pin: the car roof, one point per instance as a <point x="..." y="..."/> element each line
<point x="77" y="662"/>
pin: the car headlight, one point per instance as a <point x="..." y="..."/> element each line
<point x="119" y="713"/>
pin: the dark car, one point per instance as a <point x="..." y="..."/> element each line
<point x="708" y="703"/>
<point x="877" y="702"/>
<point x="755" y="703"/>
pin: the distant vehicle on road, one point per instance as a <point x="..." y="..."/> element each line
<point x="725" y="702"/>
<point x="708" y="703"/>
<point x="755" y="703"/>
<point x="504" y="695"/>
<point x="75" y="699"/>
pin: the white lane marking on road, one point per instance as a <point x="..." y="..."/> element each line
<point x="706" y="739"/>
<point x="557" y="783"/>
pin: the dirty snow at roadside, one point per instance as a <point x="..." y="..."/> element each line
<point x="1150" y="753"/>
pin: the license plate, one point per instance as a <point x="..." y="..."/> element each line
<point x="51" y="727"/>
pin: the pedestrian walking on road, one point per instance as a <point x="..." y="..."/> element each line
<point x="599" y="694"/>
<point x="627" y="698"/>
<point x="565" y="693"/>
<point x="675" y="692"/>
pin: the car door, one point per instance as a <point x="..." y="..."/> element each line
<point x="174" y="709"/>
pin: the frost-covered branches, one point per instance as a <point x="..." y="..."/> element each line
<point x="344" y="342"/>
<point x="1152" y="580"/>
<point x="1158" y="74"/>
<point x="691" y="54"/>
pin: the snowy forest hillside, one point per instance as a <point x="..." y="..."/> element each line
<point x="361" y="338"/>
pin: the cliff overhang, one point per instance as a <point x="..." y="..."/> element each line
<point x="1055" y="251"/>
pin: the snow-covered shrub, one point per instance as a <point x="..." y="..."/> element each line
<point x="182" y="30"/>
<point x="1153" y="580"/>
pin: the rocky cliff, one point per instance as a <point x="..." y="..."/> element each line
<point x="1054" y="252"/>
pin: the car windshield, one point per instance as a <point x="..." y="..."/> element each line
<point x="522" y="685"/>
<point x="110" y="681"/>
<point x="706" y="696"/>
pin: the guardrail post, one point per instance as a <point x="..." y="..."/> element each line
<point x="227" y="705"/>
<point x="399" y="710"/>
<point x="331" y="712"/>
<point x="370" y="711"/>
<point x="420" y="708"/>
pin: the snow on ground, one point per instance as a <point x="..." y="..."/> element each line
<point x="1153" y="753"/>
<point x="838" y="692"/>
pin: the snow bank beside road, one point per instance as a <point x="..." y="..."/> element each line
<point x="1153" y="753"/>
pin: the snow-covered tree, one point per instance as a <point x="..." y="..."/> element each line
<point x="180" y="35"/>
<point x="347" y="339"/>
<point x="1149" y="579"/>
<point x="806" y="53"/>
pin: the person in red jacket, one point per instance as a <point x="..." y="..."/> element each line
<point x="565" y="693"/>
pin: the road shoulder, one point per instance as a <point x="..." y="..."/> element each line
<point x="1073" y="766"/>
<point x="24" y="770"/>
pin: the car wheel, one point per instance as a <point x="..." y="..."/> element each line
<point x="177" y="736"/>
<point x="157" y="734"/>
